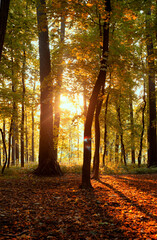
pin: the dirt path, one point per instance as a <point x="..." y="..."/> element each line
<point x="119" y="207"/>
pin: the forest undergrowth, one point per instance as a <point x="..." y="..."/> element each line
<point x="120" y="206"/>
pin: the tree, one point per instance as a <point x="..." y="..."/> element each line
<point x="143" y="123"/>
<point x="152" y="152"/>
<point x="58" y="87"/>
<point x="4" y="9"/>
<point x="93" y="101"/>
<point x="97" y="137"/>
<point x="23" y="108"/>
<point x="132" y="127"/>
<point x="47" y="162"/>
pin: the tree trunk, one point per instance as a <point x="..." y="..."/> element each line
<point x="152" y="152"/>
<point x="5" y="150"/>
<point x="4" y="9"/>
<point x="23" y="109"/>
<point x="17" y="143"/>
<point x="4" y="154"/>
<point x="121" y="135"/>
<point x="132" y="130"/>
<point x="58" y="90"/>
<point x="9" y="145"/>
<point x="0" y="155"/>
<point x="26" y="138"/>
<point x="32" y="134"/>
<point x="117" y="148"/>
<point x="97" y="140"/>
<point x="105" y="129"/>
<point x="143" y="123"/>
<point x="47" y="162"/>
<point x="13" y="145"/>
<point x="86" y="183"/>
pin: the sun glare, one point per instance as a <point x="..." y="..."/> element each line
<point x="73" y="105"/>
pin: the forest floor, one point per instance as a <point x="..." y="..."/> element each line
<point x="118" y="207"/>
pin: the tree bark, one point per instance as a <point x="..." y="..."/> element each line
<point x="58" y="90"/>
<point x="23" y="109"/>
<point x="4" y="9"/>
<point x="86" y="183"/>
<point x="4" y="155"/>
<point x="47" y="162"/>
<point x="142" y="132"/>
<point x="117" y="148"/>
<point x="105" y="128"/>
<point x="26" y="138"/>
<point x="9" y="145"/>
<point x="152" y="152"/>
<point x="5" y="150"/>
<point x="121" y="134"/>
<point x="132" y="130"/>
<point x="97" y="140"/>
<point x="33" y="135"/>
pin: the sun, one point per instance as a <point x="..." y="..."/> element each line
<point x="73" y="105"/>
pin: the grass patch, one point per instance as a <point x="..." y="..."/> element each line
<point x="17" y="171"/>
<point x="112" y="168"/>
<point x="109" y="169"/>
<point x="71" y="169"/>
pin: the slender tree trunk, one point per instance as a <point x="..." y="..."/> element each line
<point x="86" y="183"/>
<point x="132" y="131"/>
<point x="9" y="145"/>
<point x="97" y="140"/>
<point x="14" y="114"/>
<point x="152" y="152"/>
<point x="23" y="109"/>
<point x="58" y="90"/>
<point x="105" y="129"/>
<point x="17" y="142"/>
<point x="4" y="9"/>
<point x="121" y="134"/>
<point x="143" y="123"/>
<point x="26" y="137"/>
<point x="32" y="134"/>
<point x="47" y="162"/>
<point x="13" y="145"/>
<point x="4" y="155"/>
<point x="117" y="148"/>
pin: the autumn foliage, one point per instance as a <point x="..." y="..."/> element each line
<point x="119" y="207"/>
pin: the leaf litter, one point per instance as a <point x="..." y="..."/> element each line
<point x="118" y="207"/>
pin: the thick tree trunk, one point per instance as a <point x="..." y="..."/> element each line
<point x="4" y="9"/>
<point x="152" y="152"/>
<point x="47" y="162"/>
<point x="86" y="183"/>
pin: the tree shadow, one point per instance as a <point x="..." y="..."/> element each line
<point x="139" y="184"/>
<point x="132" y="202"/>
